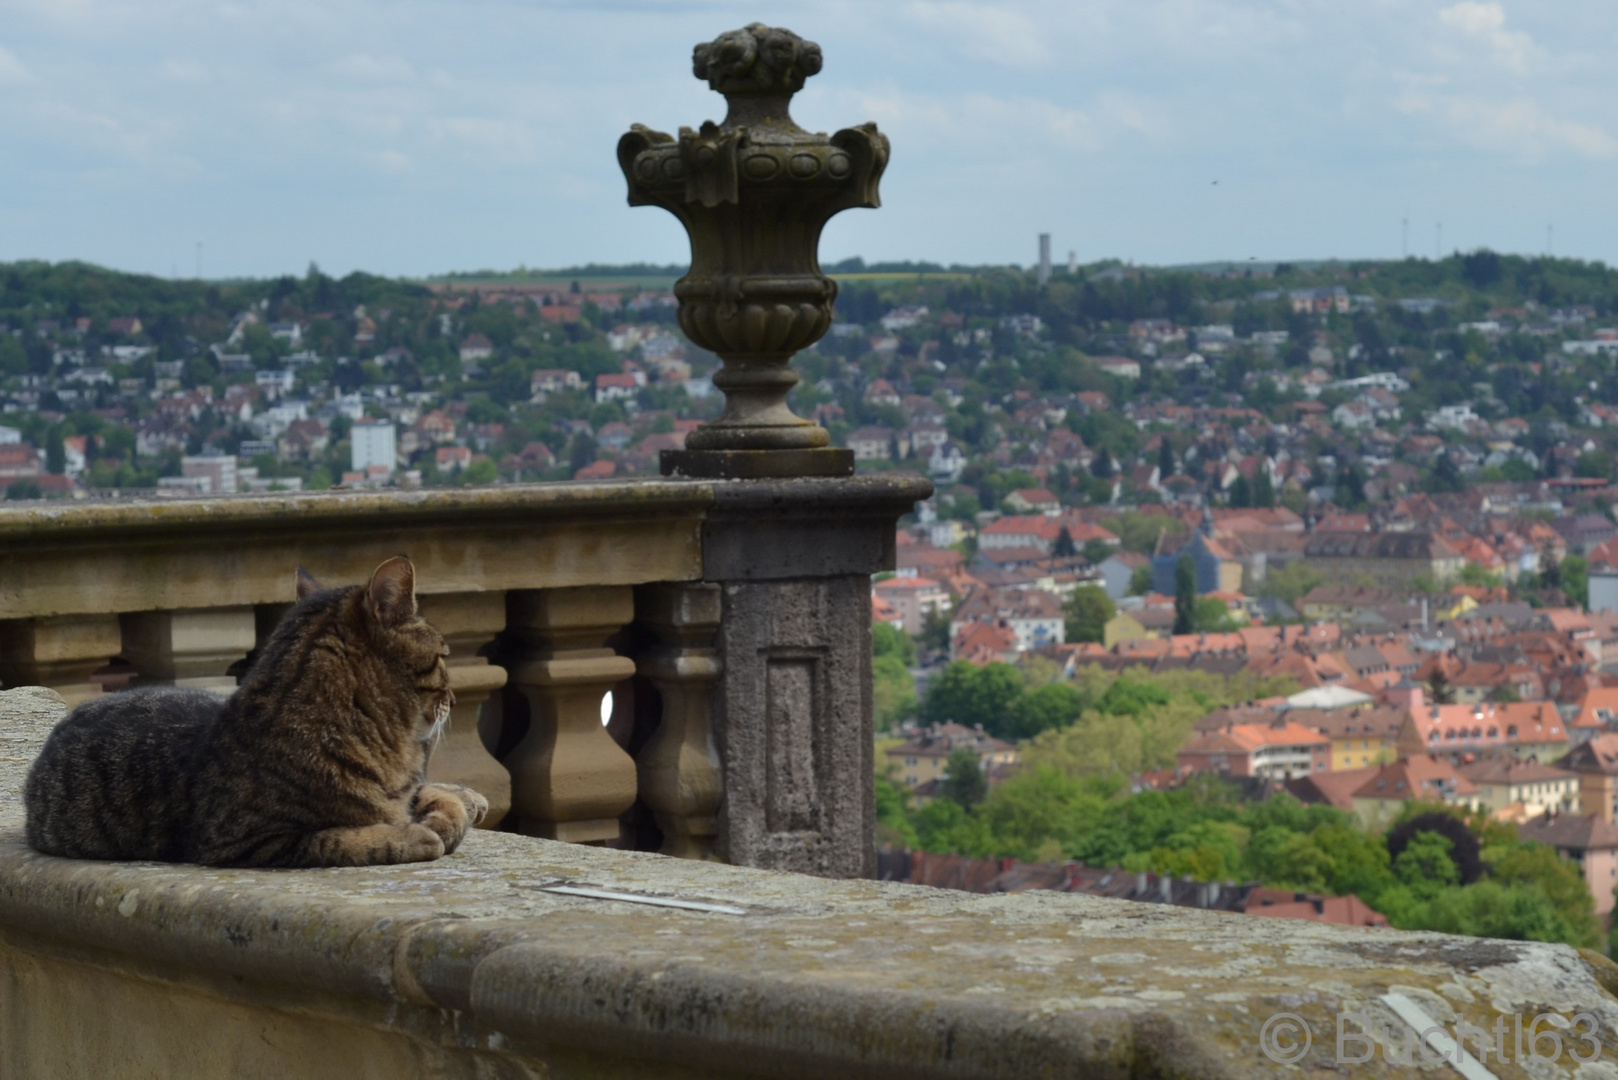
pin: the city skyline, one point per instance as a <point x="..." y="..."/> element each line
<point x="427" y="138"/>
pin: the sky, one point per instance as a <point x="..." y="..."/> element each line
<point x="415" y="137"/>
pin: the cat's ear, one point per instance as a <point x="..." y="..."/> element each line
<point x="307" y="585"/>
<point x="391" y="595"/>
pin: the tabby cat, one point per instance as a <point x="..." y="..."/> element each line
<point x="317" y="759"/>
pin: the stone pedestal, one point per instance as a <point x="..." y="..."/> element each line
<point x="679" y="771"/>
<point x="189" y="648"/>
<point x="793" y="714"/>
<point x="468" y="622"/>
<point x="58" y="651"/>
<point x="569" y="779"/>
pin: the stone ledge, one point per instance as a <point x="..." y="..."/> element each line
<point x="818" y="978"/>
<point x="394" y="507"/>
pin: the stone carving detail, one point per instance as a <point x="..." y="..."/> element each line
<point x="753" y="193"/>
<point x="756" y="59"/>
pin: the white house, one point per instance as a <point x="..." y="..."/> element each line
<point x="372" y="443"/>
<point x="946" y="463"/>
<point x="1121" y="366"/>
<point x="1353" y="415"/>
<point x="1452" y="417"/>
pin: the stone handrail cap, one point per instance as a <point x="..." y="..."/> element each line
<point x="818" y="978"/>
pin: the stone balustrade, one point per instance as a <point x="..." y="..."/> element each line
<point x="476" y="966"/>
<point x="730" y="620"/>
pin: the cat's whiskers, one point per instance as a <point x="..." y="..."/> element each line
<point x="435" y="734"/>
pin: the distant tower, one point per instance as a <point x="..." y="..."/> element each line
<point x="1072" y="263"/>
<point x="1044" y="258"/>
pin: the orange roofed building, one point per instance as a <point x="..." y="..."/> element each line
<point x="1379" y="800"/>
<point x="1279" y="750"/>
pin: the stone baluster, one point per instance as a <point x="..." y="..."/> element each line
<point x="569" y="779"/>
<point x="58" y="651"/>
<point x="193" y="648"/>
<point x="680" y="778"/>
<point x="470" y="621"/>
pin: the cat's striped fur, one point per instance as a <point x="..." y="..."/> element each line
<point x="317" y="759"/>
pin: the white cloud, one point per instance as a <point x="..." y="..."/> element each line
<point x="1518" y="128"/>
<point x="993" y="33"/>
<point x="12" y="71"/>
<point x="362" y="67"/>
<point x="1486" y="23"/>
<point x="183" y="71"/>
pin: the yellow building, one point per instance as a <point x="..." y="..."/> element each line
<point x="925" y="757"/>
<point x="1504" y="781"/>
<point x="1359" y="737"/>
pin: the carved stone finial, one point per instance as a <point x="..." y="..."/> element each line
<point x="756" y="59"/>
<point x="753" y="193"/>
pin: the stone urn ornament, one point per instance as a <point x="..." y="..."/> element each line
<point x="753" y="193"/>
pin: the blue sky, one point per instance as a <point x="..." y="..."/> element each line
<point x="412" y="137"/>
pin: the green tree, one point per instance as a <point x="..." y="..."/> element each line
<point x="1263" y="489"/>
<point x="1593" y="463"/>
<point x="1349" y="490"/>
<point x="1140" y="580"/>
<point x="1165" y="458"/>
<point x="1185" y="595"/>
<point x="1063" y="548"/>
<point x="1209" y="615"/>
<point x="893" y="692"/>
<point x="1439" y="691"/>
<point x="1576" y="579"/>
<point x="1446" y="476"/>
<point x="1517" y="471"/>
<point x="1538" y="866"/>
<point x="13" y="357"/>
<point x="964" y="782"/>
<point x="893" y="825"/>
<point x="1290" y="581"/>
<point x="891" y="641"/>
<point x="934" y="630"/>
<point x="1490" y="909"/>
<point x="1097" y="551"/>
<point x="23" y="489"/>
<point x="1053" y="706"/>
<point x="966" y="694"/>
<point x="481" y="471"/>
<point x="1425" y="866"/>
<point x="55" y="451"/>
<point x="1139" y="532"/>
<point x="1087" y="609"/>
<point x="1241" y="492"/>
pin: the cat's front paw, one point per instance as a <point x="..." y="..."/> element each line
<point x="449" y="810"/>
<point x="477" y="807"/>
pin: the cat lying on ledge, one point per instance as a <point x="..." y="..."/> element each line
<point x="317" y="759"/>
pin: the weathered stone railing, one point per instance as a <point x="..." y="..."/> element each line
<point x="730" y="621"/>
<point x="472" y="967"/>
